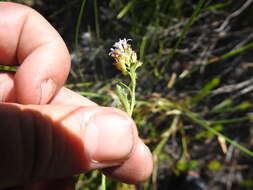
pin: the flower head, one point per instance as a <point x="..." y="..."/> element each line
<point x="124" y="56"/>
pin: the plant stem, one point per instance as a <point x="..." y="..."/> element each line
<point x="79" y="19"/>
<point x="103" y="182"/>
<point x="132" y="93"/>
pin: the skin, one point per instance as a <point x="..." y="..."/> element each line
<point x="49" y="133"/>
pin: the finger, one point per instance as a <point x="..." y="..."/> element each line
<point x="66" y="96"/>
<point x="63" y="97"/>
<point x="7" y="87"/>
<point x="46" y="142"/>
<point x="29" y="40"/>
<point x="136" y="169"/>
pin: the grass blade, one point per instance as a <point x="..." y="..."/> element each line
<point x="124" y="11"/>
<point x="206" y="125"/>
<point x="185" y="30"/>
<point x="77" y="34"/>
<point x="96" y="19"/>
<point x="205" y="91"/>
<point x="103" y="182"/>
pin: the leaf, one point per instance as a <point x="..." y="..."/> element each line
<point x="124" y="85"/>
<point x="214" y="165"/>
<point x="183" y="165"/>
<point x="205" y="91"/>
<point x="121" y="93"/>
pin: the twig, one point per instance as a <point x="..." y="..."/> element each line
<point x="232" y="88"/>
<point x="234" y="14"/>
<point x="244" y="91"/>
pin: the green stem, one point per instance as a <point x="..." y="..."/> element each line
<point x="235" y="120"/>
<point x="103" y="182"/>
<point x="79" y="19"/>
<point x="6" y="68"/>
<point x="96" y="19"/>
<point x="132" y="93"/>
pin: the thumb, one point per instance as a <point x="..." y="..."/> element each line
<point x="50" y="141"/>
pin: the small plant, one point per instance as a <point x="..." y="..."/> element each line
<point x="126" y="61"/>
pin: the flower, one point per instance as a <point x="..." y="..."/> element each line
<point x="124" y="56"/>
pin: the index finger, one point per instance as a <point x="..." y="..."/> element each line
<point x="28" y="40"/>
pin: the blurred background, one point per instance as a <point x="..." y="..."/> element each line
<point x="194" y="91"/>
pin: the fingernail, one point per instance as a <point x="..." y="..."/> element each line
<point x="48" y="89"/>
<point x="109" y="138"/>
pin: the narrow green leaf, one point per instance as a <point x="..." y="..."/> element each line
<point x="142" y="47"/>
<point x="96" y="18"/>
<point x="205" y="91"/>
<point x="223" y="105"/>
<point x="124" y="11"/>
<point x="8" y="68"/>
<point x="77" y="34"/>
<point x="217" y="6"/>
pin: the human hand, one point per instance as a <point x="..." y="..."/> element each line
<point x="41" y="146"/>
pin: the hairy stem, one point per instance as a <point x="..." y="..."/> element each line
<point x="132" y="93"/>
